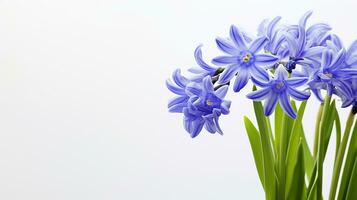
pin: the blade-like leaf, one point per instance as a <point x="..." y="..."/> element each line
<point x="349" y="163"/>
<point x="295" y="141"/>
<point x="352" y="192"/>
<point x="256" y="146"/>
<point x="268" y="158"/>
<point x="298" y="188"/>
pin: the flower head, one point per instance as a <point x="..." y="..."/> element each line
<point x="243" y="60"/>
<point x="332" y="74"/>
<point x="279" y="89"/>
<point x="204" y="107"/>
<point x="203" y="68"/>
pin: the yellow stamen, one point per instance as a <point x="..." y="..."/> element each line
<point x="209" y="103"/>
<point x="246" y="58"/>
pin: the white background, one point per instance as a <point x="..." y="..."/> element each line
<point x="83" y="102"/>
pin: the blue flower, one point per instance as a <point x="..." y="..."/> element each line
<point x="243" y="61"/>
<point x="300" y="51"/>
<point x="205" y="106"/>
<point x="332" y="74"/>
<point x="179" y="102"/>
<point x="276" y="44"/>
<point x="203" y="68"/>
<point x="352" y="99"/>
<point x="279" y="90"/>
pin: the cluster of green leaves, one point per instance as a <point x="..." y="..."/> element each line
<point x="286" y="167"/>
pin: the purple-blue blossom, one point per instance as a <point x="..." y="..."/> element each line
<point x="243" y="60"/>
<point x="279" y="89"/>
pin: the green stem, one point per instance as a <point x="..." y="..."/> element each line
<point x="317" y="129"/>
<point x="320" y="158"/>
<point x="340" y="156"/>
<point x="282" y="157"/>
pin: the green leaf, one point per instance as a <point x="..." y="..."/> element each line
<point x="328" y="126"/>
<point x="311" y="189"/>
<point x="349" y="164"/>
<point x="338" y="133"/>
<point x="294" y="144"/>
<point x="298" y="188"/>
<point x="278" y="117"/>
<point x="256" y="146"/>
<point x="352" y="191"/>
<point x="268" y="158"/>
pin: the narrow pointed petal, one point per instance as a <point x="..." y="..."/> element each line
<point x="296" y="81"/>
<point x="258" y="44"/>
<point x="209" y="125"/>
<point x="338" y="60"/>
<point x="281" y="73"/>
<point x="226" y="47"/>
<point x="286" y="106"/>
<point x="265" y="60"/>
<point x="177" y="108"/>
<point x="260" y="83"/>
<point x="259" y="73"/>
<point x="193" y="89"/>
<point x="174" y="88"/>
<point x="298" y="95"/>
<point x="313" y="51"/>
<point x="238" y="38"/>
<point x="221" y="92"/>
<point x="241" y="80"/>
<point x="272" y="25"/>
<point x="224" y="60"/>
<point x="225" y="107"/>
<point x="292" y="45"/>
<point x="270" y="104"/>
<point x="259" y="94"/>
<point x="207" y="84"/>
<point x="177" y="100"/>
<point x="326" y="58"/>
<point x="228" y="74"/>
<point x="304" y="18"/>
<point x="196" y="127"/>
<point x="180" y="80"/>
<point x="200" y="62"/>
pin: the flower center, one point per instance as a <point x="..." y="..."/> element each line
<point x="247" y="57"/>
<point x="279" y="86"/>
<point x="329" y="75"/>
<point x="209" y="102"/>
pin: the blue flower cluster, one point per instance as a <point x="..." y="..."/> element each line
<point x="279" y="60"/>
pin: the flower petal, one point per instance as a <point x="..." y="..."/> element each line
<point x="241" y="80"/>
<point x="180" y="80"/>
<point x="286" y="106"/>
<point x="177" y="100"/>
<point x="207" y="84"/>
<point x="296" y="81"/>
<point x="270" y="104"/>
<point x="338" y="60"/>
<point x="200" y="62"/>
<point x="228" y="74"/>
<point x="174" y="88"/>
<point x="298" y="95"/>
<point x="178" y="108"/>
<point x="313" y="51"/>
<point x="259" y="95"/>
<point x="265" y="60"/>
<point x="226" y="47"/>
<point x="238" y="38"/>
<point x="258" y="44"/>
<point x="259" y="73"/>
<point x="326" y="58"/>
<point x="224" y="60"/>
<point x="222" y="91"/>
